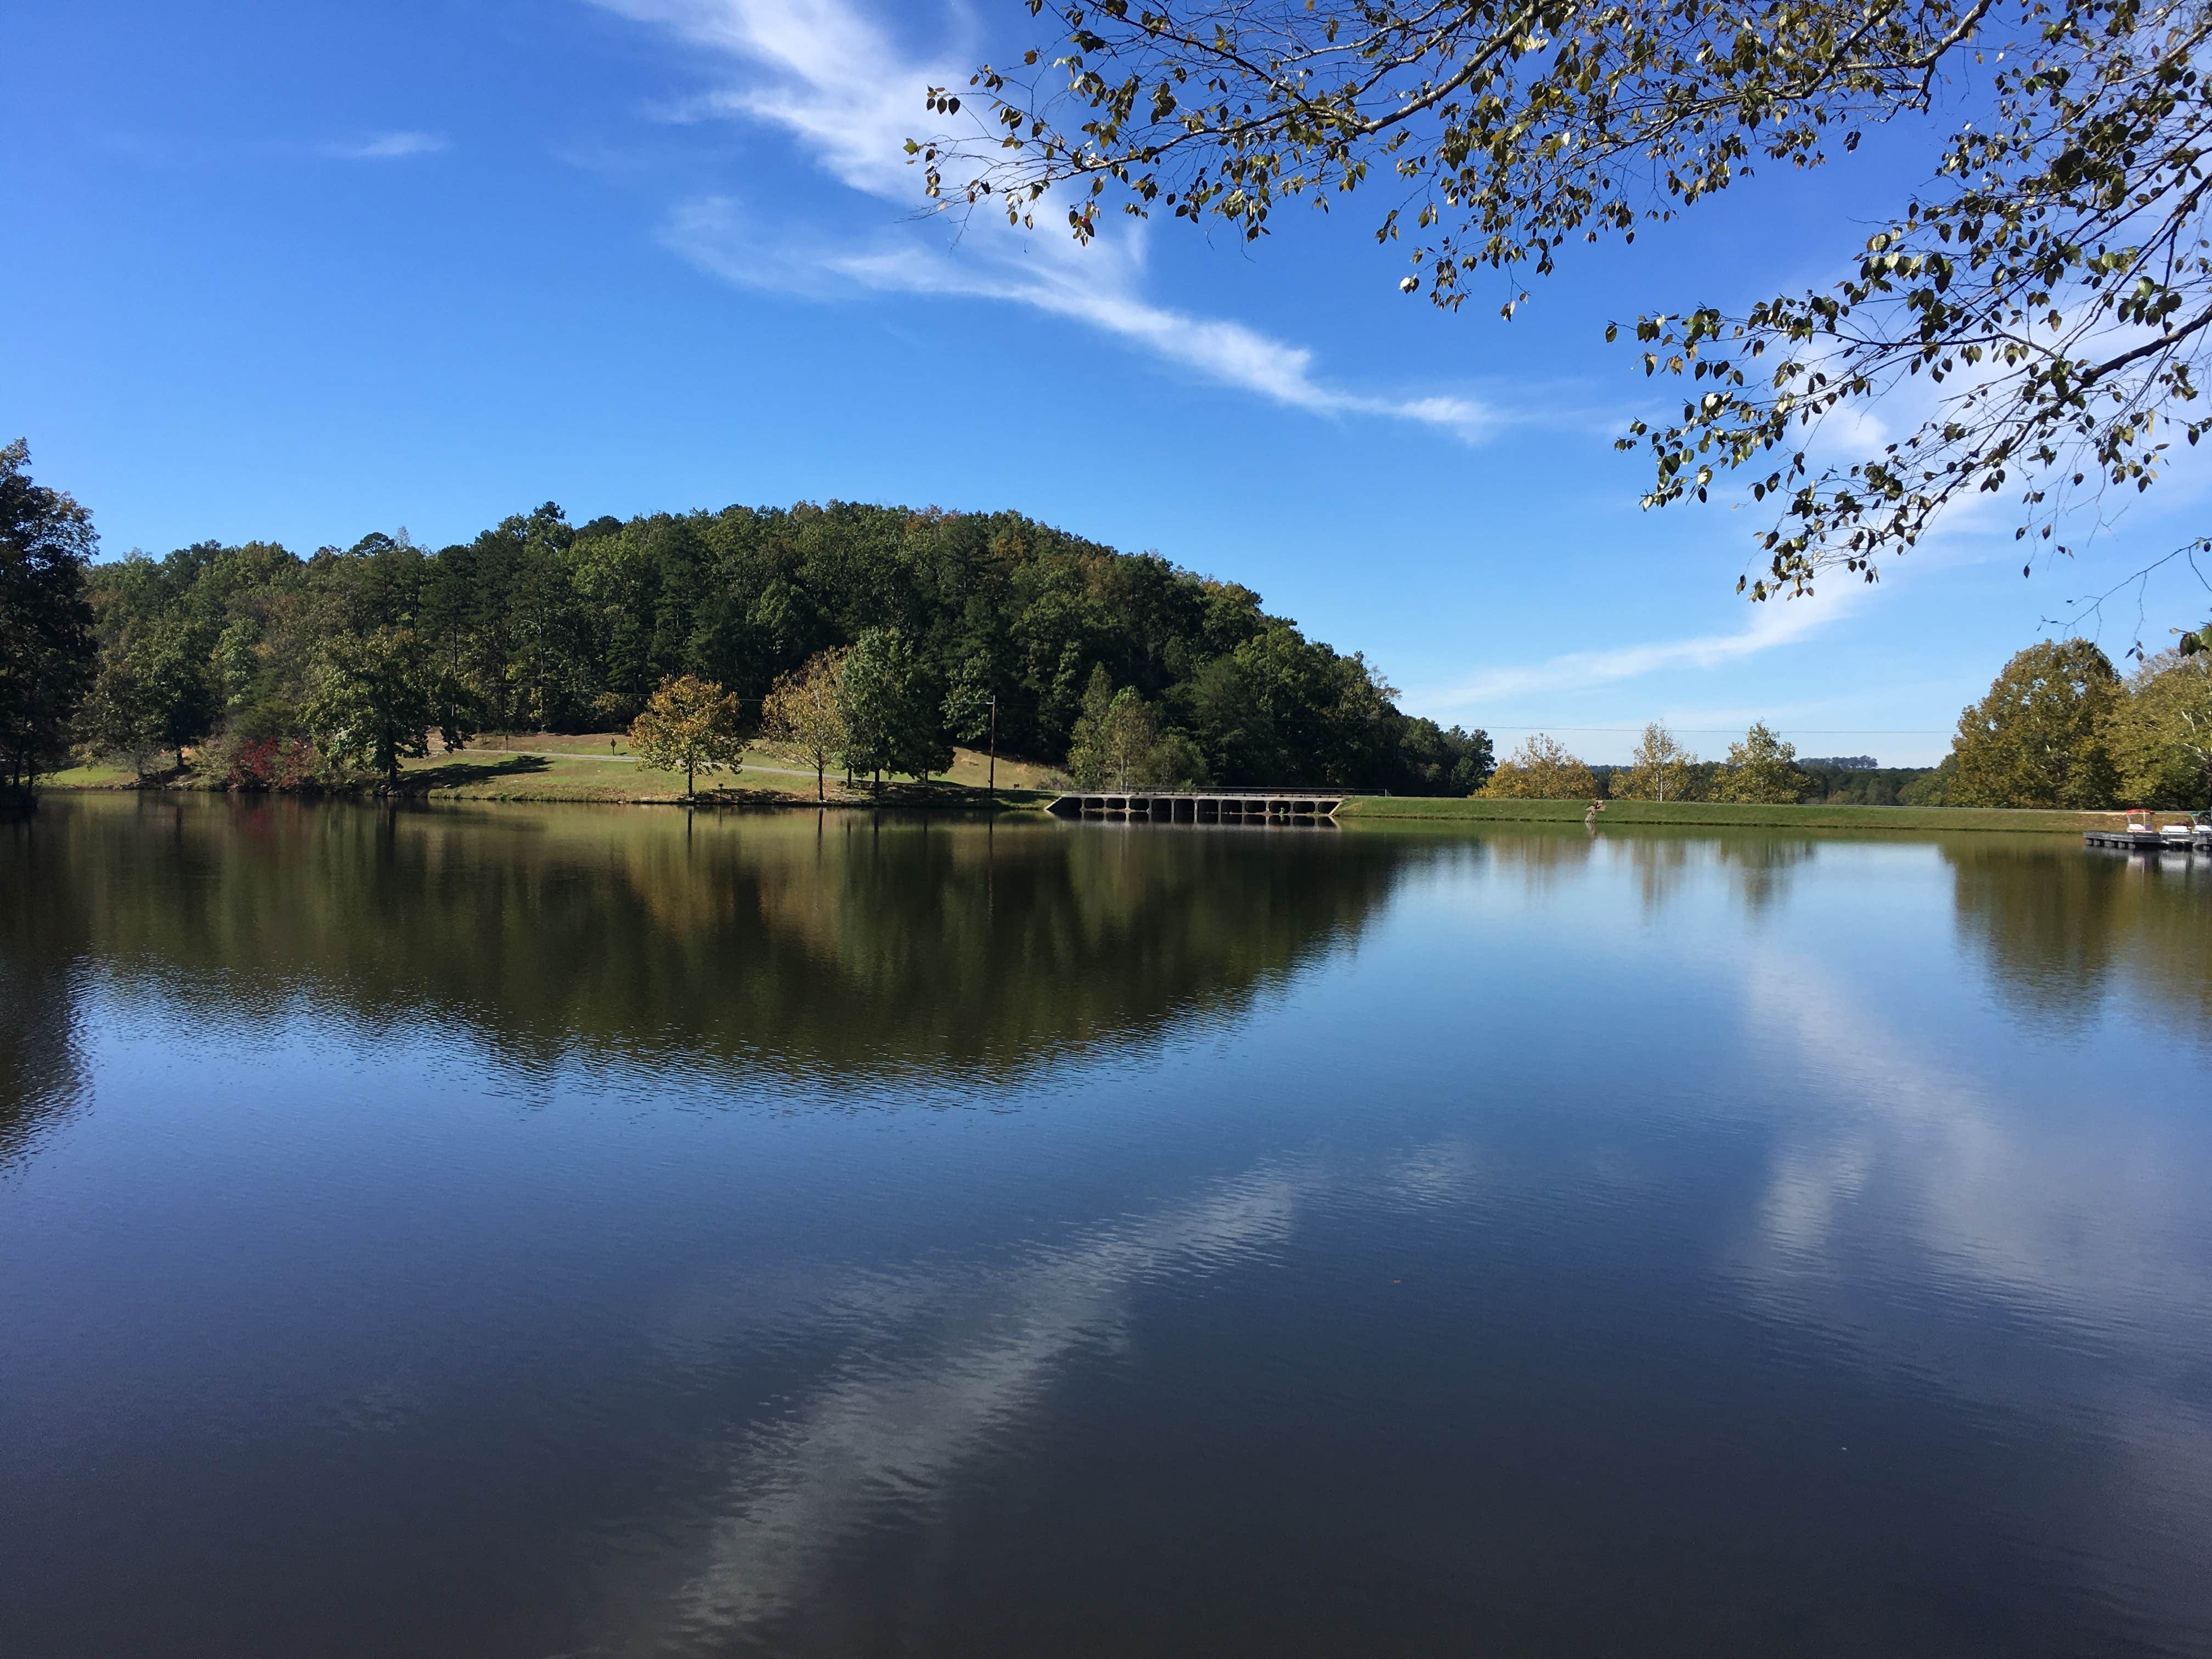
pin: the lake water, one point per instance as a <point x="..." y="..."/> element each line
<point x="599" y="1231"/>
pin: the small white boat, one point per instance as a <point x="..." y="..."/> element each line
<point x="2141" y="833"/>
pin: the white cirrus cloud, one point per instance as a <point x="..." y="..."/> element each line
<point x="1776" y="623"/>
<point x="828" y="76"/>
<point x="388" y="147"/>
<point x="1097" y="287"/>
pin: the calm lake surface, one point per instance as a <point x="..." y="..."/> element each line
<point x="587" y="1231"/>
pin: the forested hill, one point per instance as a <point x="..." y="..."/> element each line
<point x="540" y="624"/>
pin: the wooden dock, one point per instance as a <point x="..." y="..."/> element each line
<point x="2137" y="838"/>
<point x="1251" y="806"/>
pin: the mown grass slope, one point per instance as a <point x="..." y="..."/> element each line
<point x="546" y="766"/>
<point x="1482" y="809"/>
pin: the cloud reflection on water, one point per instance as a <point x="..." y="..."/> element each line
<point x="2053" y="1268"/>
<point x="935" y="1369"/>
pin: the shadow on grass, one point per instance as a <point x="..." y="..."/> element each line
<point x="937" y="793"/>
<point x="755" y="798"/>
<point x="476" y="773"/>
<point x="459" y="775"/>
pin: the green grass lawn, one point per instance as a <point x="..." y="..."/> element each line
<point x="970" y="766"/>
<point x="504" y="768"/>
<point x="487" y="775"/>
<point x="90" y="777"/>
<point x="581" y="772"/>
<point x="1446" y="809"/>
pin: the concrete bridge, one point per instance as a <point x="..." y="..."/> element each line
<point x="1200" y="806"/>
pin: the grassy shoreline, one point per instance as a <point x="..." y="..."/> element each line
<point x="1723" y="815"/>
<point x="540" y="768"/>
<point x="556" y="784"/>
<point x="583" y="776"/>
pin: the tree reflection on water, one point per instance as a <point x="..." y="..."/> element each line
<point x="2065" y="928"/>
<point x="42" y="1070"/>
<point x="831" y="944"/>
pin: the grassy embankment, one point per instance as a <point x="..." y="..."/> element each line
<point x="556" y="767"/>
<point x="599" y="767"/>
<point x="1449" y="809"/>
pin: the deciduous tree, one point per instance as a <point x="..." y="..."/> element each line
<point x="892" y="712"/>
<point x="804" y="715"/>
<point x="1659" y="768"/>
<point x="689" y="726"/>
<point x="118" y="721"/>
<point x="968" y="700"/>
<point x="46" y="645"/>
<point x="1121" y="743"/>
<point x="2037" y="739"/>
<point x="2158" y="732"/>
<point x="1132" y="732"/>
<point x="1762" y="770"/>
<point x="1541" y="769"/>
<point x="177" y="682"/>
<point x="375" y="702"/>
<point x="1086" y="743"/>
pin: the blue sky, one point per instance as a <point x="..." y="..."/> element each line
<point x="300" y="272"/>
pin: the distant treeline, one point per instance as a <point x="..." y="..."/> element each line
<point x="2059" y="727"/>
<point x="1761" y="769"/>
<point x="539" y="624"/>
<point x="1840" y="782"/>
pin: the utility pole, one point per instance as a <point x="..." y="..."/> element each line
<point x="991" y="789"/>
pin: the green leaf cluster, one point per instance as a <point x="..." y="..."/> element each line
<point x="47" y="660"/>
<point x="2037" y="738"/>
<point x="1660" y="770"/>
<point x="892" y="705"/>
<point x="373" y="702"/>
<point x="1762" y="770"/>
<point x="688" y="725"/>
<point x="2059" y="727"/>
<point x="804" y="715"/>
<point x="2159" y="733"/>
<point x="1542" y="769"/>
<point x="1122" y="743"/>
<point x="2050" y="286"/>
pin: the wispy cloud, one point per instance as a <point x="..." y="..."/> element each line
<point x="828" y="75"/>
<point x="1098" y="286"/>
<point x="1776" y="623"/>
<point x="388" y="147"/>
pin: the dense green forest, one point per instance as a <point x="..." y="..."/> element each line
<point x="874" y="639"/>
<point x="248" y="654"/>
